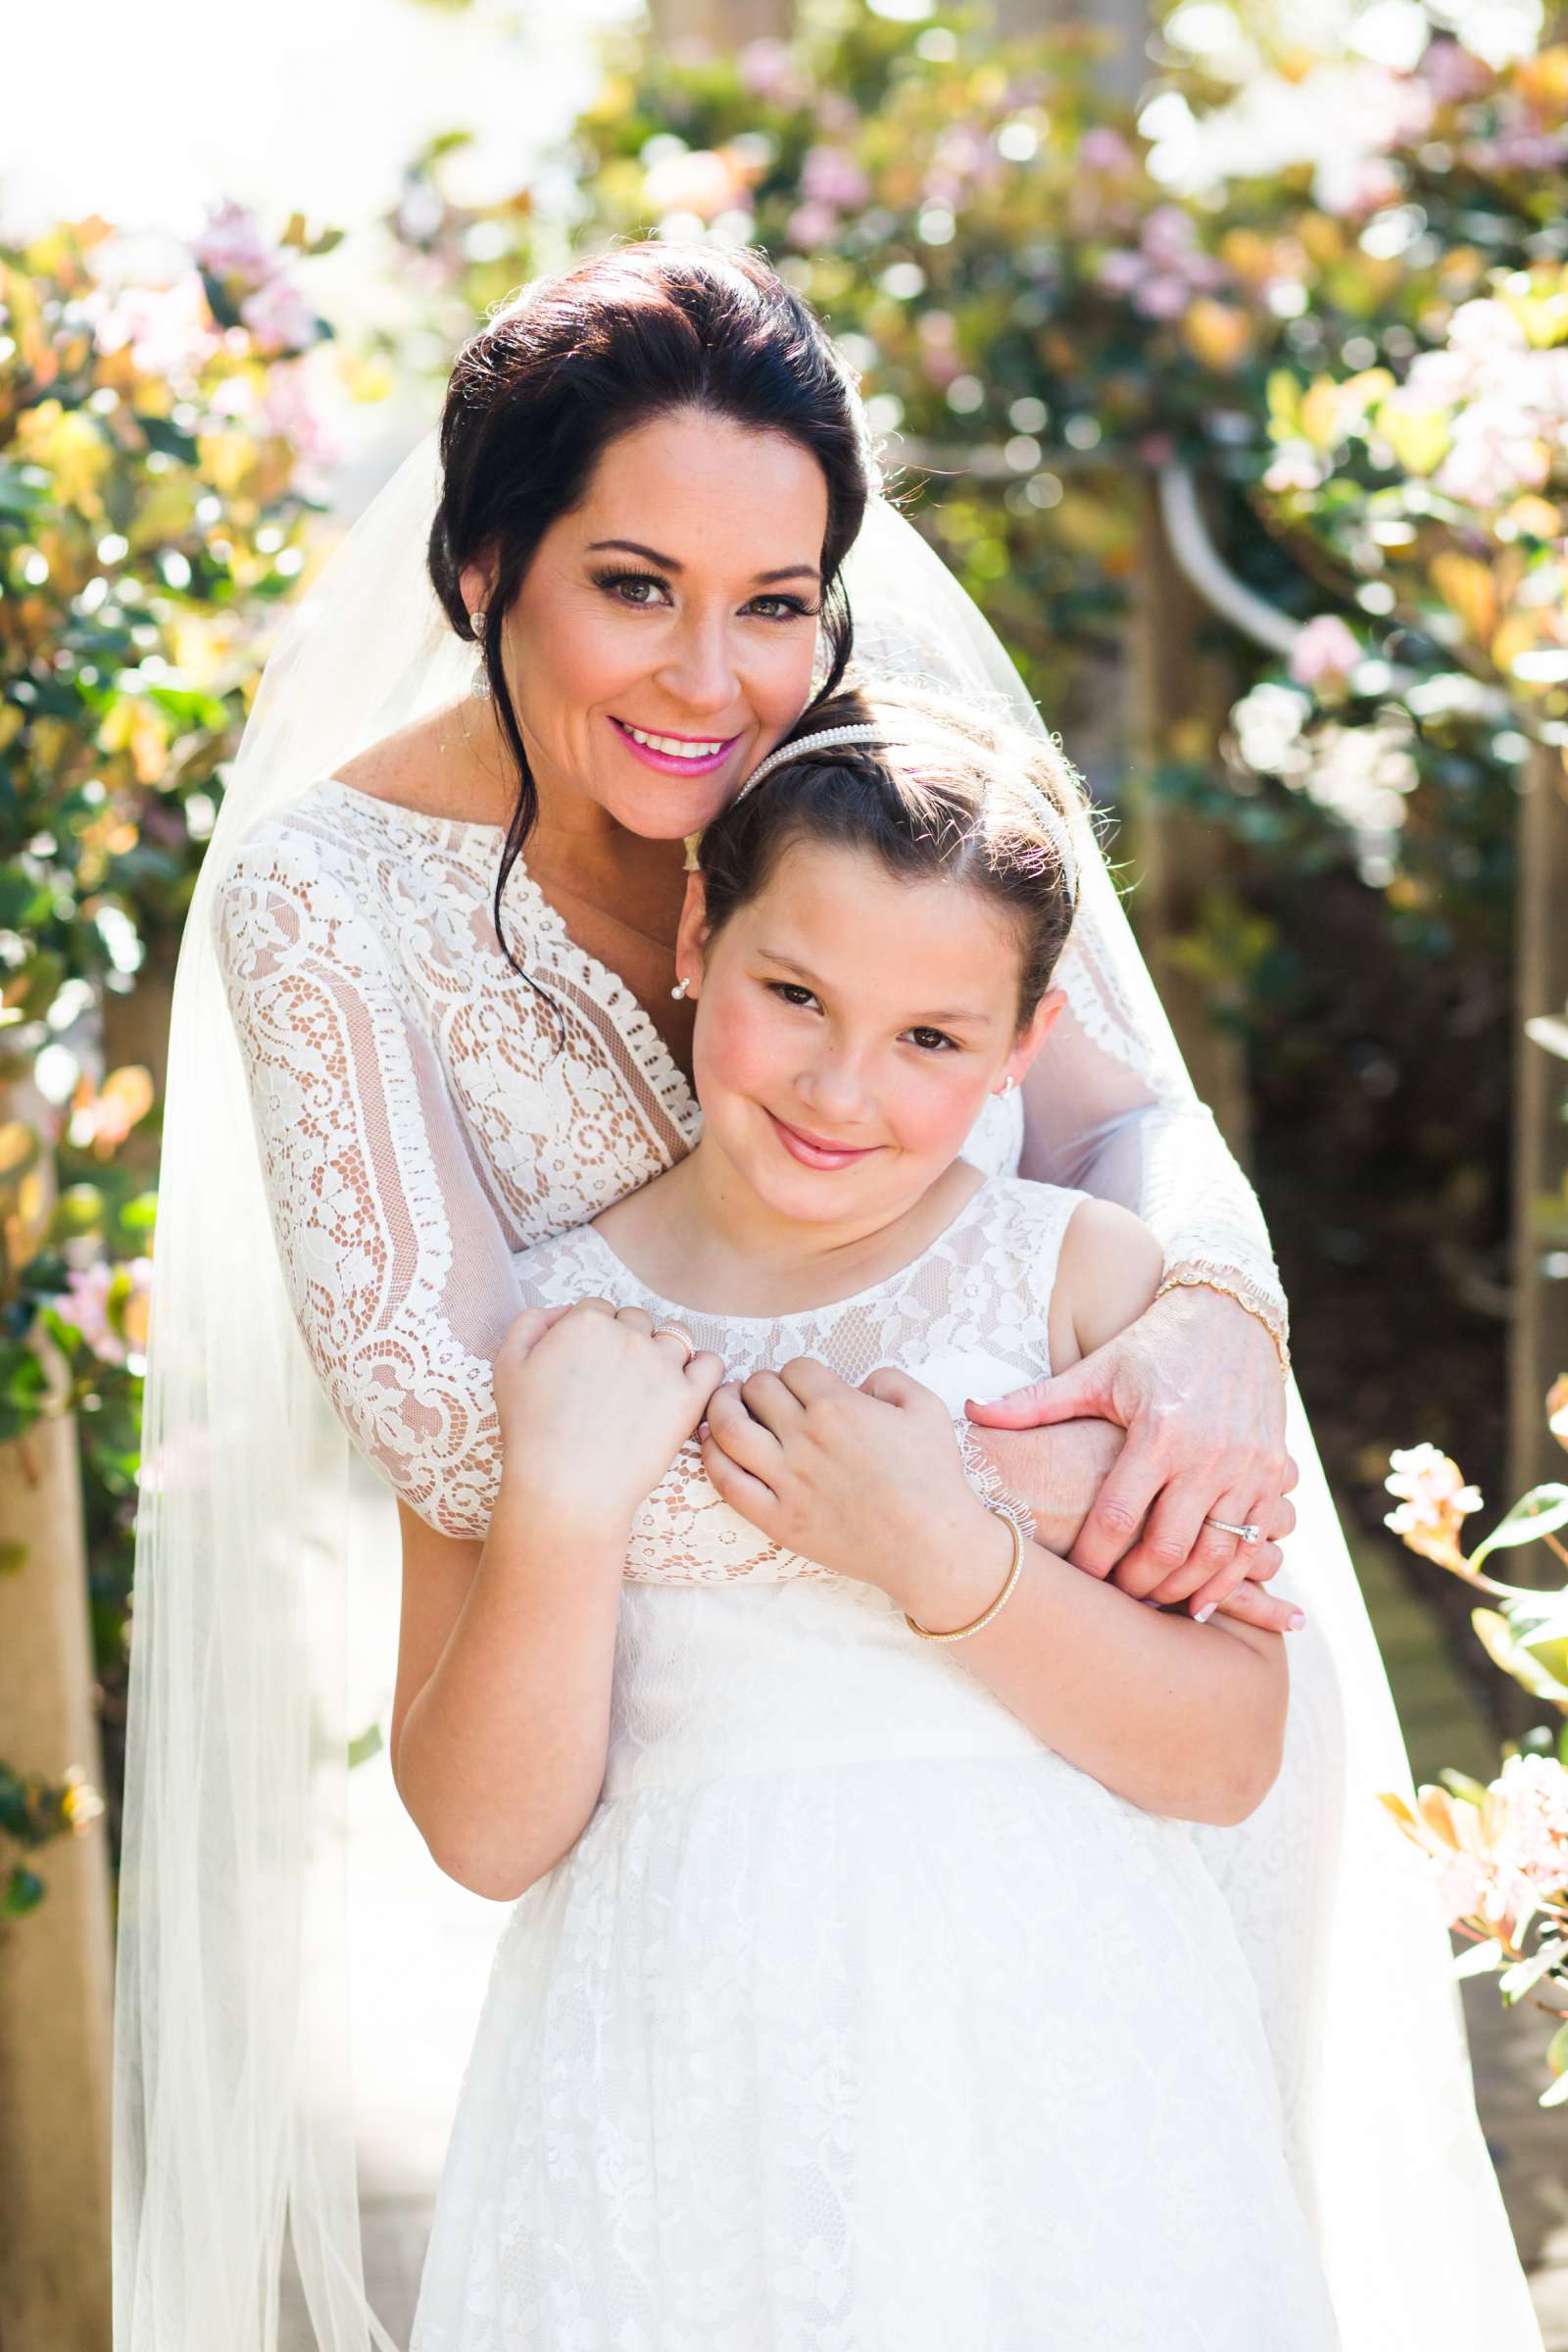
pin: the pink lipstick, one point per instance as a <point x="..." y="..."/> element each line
<point x="675" y="763"/>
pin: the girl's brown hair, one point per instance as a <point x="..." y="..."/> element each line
<point x="946" y="792"/>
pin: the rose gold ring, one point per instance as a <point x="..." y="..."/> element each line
<point x="674" y="1331"/>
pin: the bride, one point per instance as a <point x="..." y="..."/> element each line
<point x="446" y="925"/>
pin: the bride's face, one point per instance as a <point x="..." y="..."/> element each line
<point x="678" y="602"/>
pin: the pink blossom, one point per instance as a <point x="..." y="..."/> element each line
<point x="279" y="317"/>
<point x="1498" y="452"/>
<point x="1105" y="149"/>
<point x="770" y="70"/>
<point x="1481" y="328"/>
<point x="1434" y="1500"/>
<point x="232" y="246"/>
<point x="835" y="113"/>
<point x="811" y="225"/>
<point x="169" y="329"/>
<point x="703" y="182"/>
<point x="108" y="1306"/>
<point x="1517" y="147"/>
<point x="1453" y="73"/>
<point x="1324" y="654"/>
<point x="1167" y="234"/>
<point x="298" y="409"/>
<point x="1464" y="1885"/>
<point x="1533" y="1843"/>
<point x="1120" y="270"/>
<point x="831" y="175"/>
<point x="1351" y="185"/>
<point x="1162" y="297"/>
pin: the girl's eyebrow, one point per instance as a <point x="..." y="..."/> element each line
<point x="965" y="1016"/>
<point x="651" y="555"/>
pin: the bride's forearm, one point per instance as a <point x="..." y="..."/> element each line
<point x="1056" y="1472"/>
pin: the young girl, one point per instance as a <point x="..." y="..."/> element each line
<point x="866" y="1992"/>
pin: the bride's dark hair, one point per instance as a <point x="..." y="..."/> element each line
<point x="616" y="341"/>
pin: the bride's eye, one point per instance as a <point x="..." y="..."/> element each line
<point x="933" y="1041"/>
<point x="621" y="585"/>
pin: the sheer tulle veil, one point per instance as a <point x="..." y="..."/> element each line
<point x="266" y="1578"/>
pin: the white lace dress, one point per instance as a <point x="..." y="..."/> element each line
<point x="856" y="2020"/>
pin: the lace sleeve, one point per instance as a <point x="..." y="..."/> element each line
<point x="1108" y="1106"/>
<point x="398" y="1269"/>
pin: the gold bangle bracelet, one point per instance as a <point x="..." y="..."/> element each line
<point x="962" y="1633"/>
<point x="1211" y="1282"/>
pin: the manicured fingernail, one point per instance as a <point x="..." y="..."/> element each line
<point x="1203" y="1616"/>
<point x="1295" y="1620"/>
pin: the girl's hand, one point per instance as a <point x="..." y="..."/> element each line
<point x="1195" y="1384"/>
<point x="594" y="1405"/>
<point x="866" y="1481"/>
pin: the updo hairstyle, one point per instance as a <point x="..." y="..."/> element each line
<point x="947" y="792"/>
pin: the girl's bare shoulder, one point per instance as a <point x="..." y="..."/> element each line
<point x="1106" y="1277"/>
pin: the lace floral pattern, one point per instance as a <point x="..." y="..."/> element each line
<point x="963" y="1318"/>
<point x="422" y="1113"/>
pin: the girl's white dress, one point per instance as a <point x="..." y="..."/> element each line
<point x="857" y="2019"/>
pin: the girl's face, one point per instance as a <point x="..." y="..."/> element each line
<point x="662" y="639"/>
<point x="850" y="1026"/>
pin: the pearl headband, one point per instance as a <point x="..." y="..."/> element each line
<point x="1052" y="821"/>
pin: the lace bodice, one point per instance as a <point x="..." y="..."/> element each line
<point x="967" y="1318"/>
<point x="423" y="1113"/>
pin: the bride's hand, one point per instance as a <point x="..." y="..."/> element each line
<point x="1057" y="1471"/>
<point x="594" y="1404"/>
<point x="867" y="1482"/>
<point x="1195" y="1384"/>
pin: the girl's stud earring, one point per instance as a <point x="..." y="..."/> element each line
<point x="680" y="987"/>
<point x="1007" y="1085"/>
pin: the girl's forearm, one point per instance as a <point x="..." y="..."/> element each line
<point x="1182" y="1719"/>
<point x="502" y="1754"/>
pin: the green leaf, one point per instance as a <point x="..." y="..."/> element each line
<point x="1540" y="1512"/>
<point x="1557" y="2049"/>
<point x="367" y="1744"/>
<point x="1517" y="1980"/>
<point x="1479" y="1961"/>
<point x="24" y="1892"/>
<point x="1459" y="1783"/>
<point x="1555" y="2096"/>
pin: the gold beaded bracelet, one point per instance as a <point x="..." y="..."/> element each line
<point x="1193" y="1279"/>
<point x="962" y="1633"/>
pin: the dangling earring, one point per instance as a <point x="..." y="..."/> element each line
<point x="680" y="987"/>
<point x="480" y="688"/>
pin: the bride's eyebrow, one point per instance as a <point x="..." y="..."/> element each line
<point x="651" y="555"/>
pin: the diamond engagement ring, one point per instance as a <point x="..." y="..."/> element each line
<point x="1248" y="1533"/>
<point x="673" y="1330"/>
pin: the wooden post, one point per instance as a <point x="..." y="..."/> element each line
<point x="1539" y="1341"/>
<point x="55" y="1963"/>
<point x="1178" y="857"/>
<point x="727" y="24"/>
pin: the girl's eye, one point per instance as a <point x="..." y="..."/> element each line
<point x="933" y="1041"/>
<point x="792" y="991"/>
